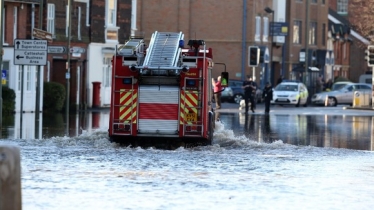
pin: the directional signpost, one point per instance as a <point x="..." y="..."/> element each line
<point x="30" y="52"/>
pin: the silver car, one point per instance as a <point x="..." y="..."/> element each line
<point x="343" y="95"/>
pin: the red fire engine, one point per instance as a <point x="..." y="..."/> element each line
<point x="162" y="97"/>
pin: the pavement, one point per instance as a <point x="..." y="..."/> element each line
<point x="360" y="107"/>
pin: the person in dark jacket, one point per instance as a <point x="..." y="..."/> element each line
<point x="249" y="87"/>
<point x="267" y="95"/>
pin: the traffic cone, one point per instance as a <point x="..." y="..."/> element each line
<point x="327" y="101"/>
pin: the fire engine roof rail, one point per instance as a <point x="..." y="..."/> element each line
<point x="163" y="51"/>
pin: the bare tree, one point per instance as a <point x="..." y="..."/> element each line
<point x="361" y="17"/>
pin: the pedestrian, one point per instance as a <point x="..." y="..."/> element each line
<point x="328" y="85"/>
<point x="267" y="95"/>
<point x="140" y="53"/>
<point x="319" y="84"/>
<point x="280" y="79"/>
<point x="217" y="89"/>
<point x="249" y="87"/>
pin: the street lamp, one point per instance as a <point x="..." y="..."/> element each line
<point x="270" y="11"/>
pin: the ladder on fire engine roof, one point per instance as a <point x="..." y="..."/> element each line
<point x="163" y="51"/>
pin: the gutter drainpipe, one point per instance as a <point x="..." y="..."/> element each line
<point x="244" y="37"/>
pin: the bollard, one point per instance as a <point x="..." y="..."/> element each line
<point x="327" y="100"/>
<point x="10" y="178"/>
<point x="356" y="99"/>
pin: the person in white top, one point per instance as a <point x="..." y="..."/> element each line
<point x="140" y="51"/>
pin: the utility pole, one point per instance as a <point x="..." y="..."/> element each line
<point x="1" y="63"/>
<point x="68" y="70"/>
<point x="306" y="41"/>
<point x="38" y="74"/>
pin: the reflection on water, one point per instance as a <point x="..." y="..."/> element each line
<point x="52" y="125"/>
<point x="352" y="132"/>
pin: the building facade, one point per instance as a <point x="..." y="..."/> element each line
<point x="357" y="64"/>
<point x="19" y="18"/>
<point x="230" y="27"/>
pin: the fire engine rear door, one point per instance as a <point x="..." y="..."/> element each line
<point x="158" y="110"/>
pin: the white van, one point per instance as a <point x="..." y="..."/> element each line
<point x="366" y="78"/>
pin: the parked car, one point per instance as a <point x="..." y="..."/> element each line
<point x="235" y="93"/>
<point x="338" y="85"/>
<point x="290" y="93"/>
<point x="343" y="95"/>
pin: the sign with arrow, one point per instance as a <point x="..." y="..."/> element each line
<point x="30" y="52"/>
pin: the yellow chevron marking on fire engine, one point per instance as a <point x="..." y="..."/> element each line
<point x="190" y="100"/>
<point x="125" y="108"/>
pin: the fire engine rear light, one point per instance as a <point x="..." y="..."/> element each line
<point x="127" y="127"/>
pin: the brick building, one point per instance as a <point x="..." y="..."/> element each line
<point x="229" y="27"/>
<point x="355" y="63"/>
<point x="19" y="18"/>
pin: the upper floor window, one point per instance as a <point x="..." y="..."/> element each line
<point x="15" y="15"/>
<point x="324" y="37"/>
<point x="296" y="32"/>
<point x="266" y="30"/>
<point x="313" y="33"/>
<point x="111" y="33"/>
<point x="258" y="29"/>
<point x="111" y="12"/>
<point x="342" y="7"/>
<point x="314" y="1"/>
<point x="79" y="23"/>
<point x="51" y="19"/>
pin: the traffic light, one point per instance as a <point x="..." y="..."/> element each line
<point x="253" y="56"/>
<point x="369" y="55"/>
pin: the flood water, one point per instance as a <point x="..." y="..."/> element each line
<point x="255" y="162"/>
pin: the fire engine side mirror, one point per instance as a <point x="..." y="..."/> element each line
<point x="224" y="79"/>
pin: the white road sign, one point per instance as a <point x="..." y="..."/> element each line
<point x="30" y="52"/>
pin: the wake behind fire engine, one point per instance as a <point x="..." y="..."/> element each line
<point x="161" y="93"/>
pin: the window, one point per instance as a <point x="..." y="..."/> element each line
<point x="4" y="28"/>
<point x="107" y="70"/>
<point x="111" y="21"/>
<point x="342" y="7"/>
<point x="87" y="14"/>
<point x="266" y="30"/>
<point x="258" y="29"/>
<point x="111" y="12"/>
<point x="79" y="23"/>
<point x="15" y="11"/>
<point x="314" y="1"/>
<point x="324" y="34"/>
<point x="51" y="19"/>
<point x="313" y="33"/>
<point x="296" y="32"/>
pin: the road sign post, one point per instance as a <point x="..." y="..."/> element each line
<point x="30" y="52"/>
